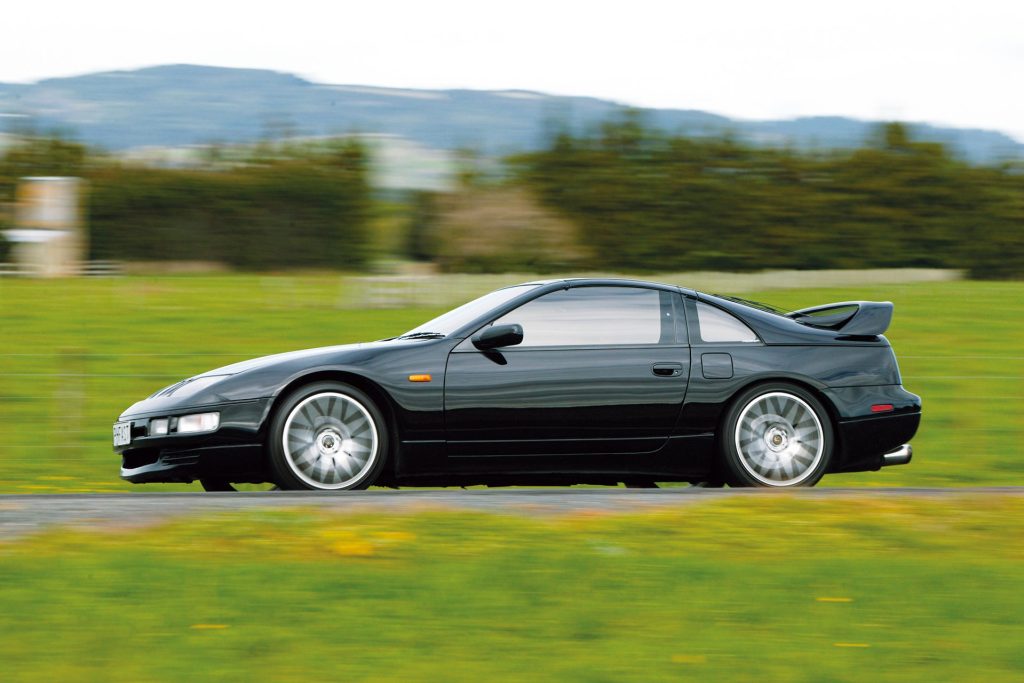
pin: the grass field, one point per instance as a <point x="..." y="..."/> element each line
<point x="75" y="353"/>
<point x="755" y="588"/>
<point x="752" y="588"/>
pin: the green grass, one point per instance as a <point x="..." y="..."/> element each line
<point x="75" y="353"/>
<point x="777" y="588"/>
<point x="756" y="588"/>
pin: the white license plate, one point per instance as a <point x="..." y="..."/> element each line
<point x="122" y="433"/>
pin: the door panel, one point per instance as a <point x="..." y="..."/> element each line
<point x="559" y="401"/>
<point x="600" y="369"/>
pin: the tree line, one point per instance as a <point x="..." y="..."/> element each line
<point x="301" y="206"/>
<point x="642" y="200"/>
<point x="625" y="197"/>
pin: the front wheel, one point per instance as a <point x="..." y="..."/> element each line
<point x="777" y="435"/>
<point x="327" y="436"/>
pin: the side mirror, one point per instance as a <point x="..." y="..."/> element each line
<point x="497" y="336"/>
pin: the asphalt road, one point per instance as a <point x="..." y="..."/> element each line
<point x="26" y="514"/>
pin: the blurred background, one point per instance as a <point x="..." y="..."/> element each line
<point x="185" y="185"/>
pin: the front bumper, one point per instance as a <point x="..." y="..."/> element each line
<point x="233" y="451"/>
<point x="236" y="464"/>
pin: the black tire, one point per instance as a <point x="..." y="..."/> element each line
<point x="330" y="427"/>
<point x="776" y="435"/>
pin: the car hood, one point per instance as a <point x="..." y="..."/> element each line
<point x="304" y="354"/>
<point x="257" y="378"/>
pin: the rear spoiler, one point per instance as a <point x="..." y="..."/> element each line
<point x="852" y="318"/>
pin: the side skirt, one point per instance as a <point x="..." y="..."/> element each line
<point x="681" y="458"/>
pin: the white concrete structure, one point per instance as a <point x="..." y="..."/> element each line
<point x="49" y="239"/>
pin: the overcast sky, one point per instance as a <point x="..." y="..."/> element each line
<point x="952" y="63"/>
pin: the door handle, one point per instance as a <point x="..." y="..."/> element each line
<point x="667" y="369"/>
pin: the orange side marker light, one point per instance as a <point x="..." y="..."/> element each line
<point x="420" y="378"/>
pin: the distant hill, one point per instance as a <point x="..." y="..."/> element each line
<point x="184" y="105"/>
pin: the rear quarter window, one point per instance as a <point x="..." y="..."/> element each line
<point x="718" y="326"/>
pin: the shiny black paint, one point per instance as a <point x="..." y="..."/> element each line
<point x="234" y="449"/>
<point x="497" y="336"/>
<point x="571" y="414"/>
<point x="870" y="318"/>
<point x="547" y="401"/>
<point x="865" y="440"/>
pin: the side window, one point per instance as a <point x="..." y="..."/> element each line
<point x="594" y="316"/>
<point x="718" y="326"/>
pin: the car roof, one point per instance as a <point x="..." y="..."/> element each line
<point x="612" y="281"/>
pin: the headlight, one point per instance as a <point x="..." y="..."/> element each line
<point x="199" y="422"/>
<point x="158" y="427"/>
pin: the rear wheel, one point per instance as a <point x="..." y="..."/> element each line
<point x="776" y="435"/>
<point x="327" y="436"/>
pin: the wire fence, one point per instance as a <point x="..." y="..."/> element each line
<point x="83" y="269"/>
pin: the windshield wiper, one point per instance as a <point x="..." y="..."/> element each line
<point x="421" y="335"/>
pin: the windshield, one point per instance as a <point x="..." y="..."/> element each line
<point x="445" y="324"/>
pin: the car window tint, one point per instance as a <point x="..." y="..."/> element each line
<point x="718" y="326"/>
<point x="590" y="316"/>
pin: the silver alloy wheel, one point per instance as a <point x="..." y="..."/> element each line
<point x="330" y="441"/>
<point x="779" y="439"/>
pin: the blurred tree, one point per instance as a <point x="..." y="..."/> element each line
<point x="644" y="201"/>
<point x="299" y="207"/>
<point x="421" y="237"/>
<point x="35" y="155"/>
<point x="501" y="230"/>
<point x="993" y="242"/>
<point x="622" y="197"/>
<point x="893" y="136"/>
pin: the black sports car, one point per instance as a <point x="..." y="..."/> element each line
<point x="556" y="382"/>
